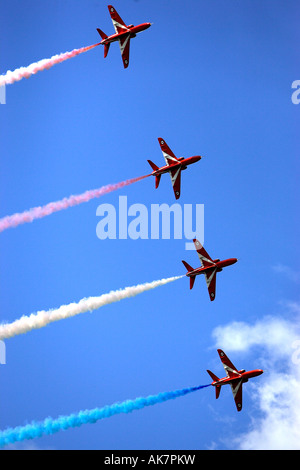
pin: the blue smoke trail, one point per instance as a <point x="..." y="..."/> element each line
<point x="50" y="426"/>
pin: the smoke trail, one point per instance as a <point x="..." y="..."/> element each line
<point x="50" y="426"/>
<point x="14" y="220"/>
<point x="26" y="72"/>
<point x="43" y="318"/>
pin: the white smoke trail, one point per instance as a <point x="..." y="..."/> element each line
<point x="14" y="220"/>
<point x="26" y="72"/>
<point x="43" y="318"/>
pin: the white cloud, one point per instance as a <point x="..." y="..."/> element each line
<point x="279" y="428"/>
<point x="277" y="398"/>
<point x="269" y="333"/>
<point x="290" y="273"/>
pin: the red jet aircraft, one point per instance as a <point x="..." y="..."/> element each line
<point x="174" y="166"/>
<point x="235" y="378"/>
<point x="123" y="34"/>
<point x="209" y="268"/>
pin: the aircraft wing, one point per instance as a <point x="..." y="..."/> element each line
<point x="119" y="25"/>
<point x="124" y="44"/>
<point x="211" y="278"/>
<point x="167" y="152"/>
<point x="176" y="178"/>
<point x="204" y="257"/>
<point x="230" y="369"/>
<point x="237" y="391"/>
<point x="236" y="385"/>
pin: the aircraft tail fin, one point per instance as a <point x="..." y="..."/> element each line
<point x="153" y="166"/>
<point x="213" y="376"/>
<point x="192" y="281"/>
<point x="106" y="49"/>
<point x="157" y="177"/>
<point x="189" y="269"/>
<point x="157" y="180"/>
<point x="106" y="46"/>
<point x="103" y="35"/>
<point x="215" y="379"/>
<point x="187" y="266"/>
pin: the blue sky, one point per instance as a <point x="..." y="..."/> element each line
<point x="211" y="78"/>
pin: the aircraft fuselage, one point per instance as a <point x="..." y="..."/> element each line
<point x="133" y="31"/>
<point x="245" y="376"/>
<point x="182" y="164"/>
<point x="219" y="265"/>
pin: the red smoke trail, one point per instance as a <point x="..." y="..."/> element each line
<point x="14" y="220"/>
<point x="26" y="72"/>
